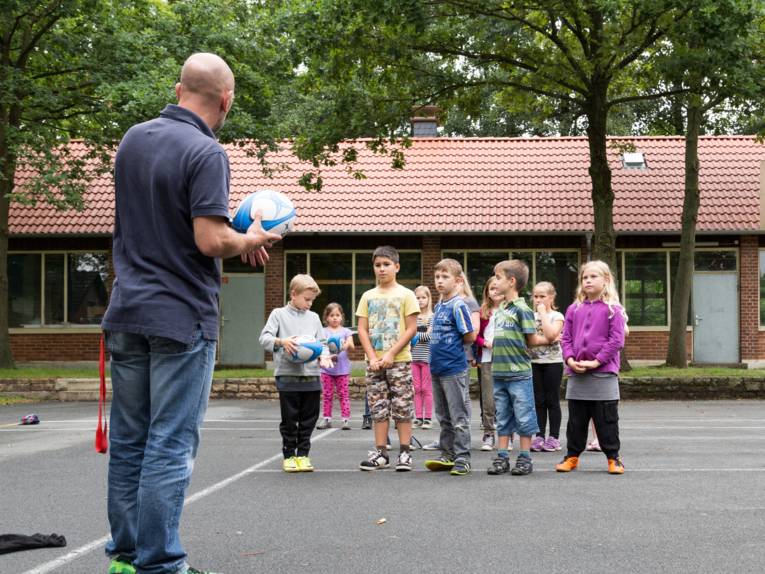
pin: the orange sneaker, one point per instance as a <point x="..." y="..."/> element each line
<point x="569" y="463"/>
<point x="615" y="466"/>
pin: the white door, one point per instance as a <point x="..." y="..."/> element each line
<point x="242" y="309"/>
<point x="715" y="307"/>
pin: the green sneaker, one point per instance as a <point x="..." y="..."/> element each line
<point x="290" y="464"/>
<point x="304" y="464"/>
<point x="121" y="565"/>
<point x="440" y="463"/>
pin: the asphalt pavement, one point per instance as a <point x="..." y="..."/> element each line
<point x="692" y="499"/>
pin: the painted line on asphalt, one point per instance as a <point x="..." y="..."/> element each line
<point x="95" y="544"/>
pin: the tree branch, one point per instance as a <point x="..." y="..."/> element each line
<point x="624" y="100"/>
<point x="32" y="42"/>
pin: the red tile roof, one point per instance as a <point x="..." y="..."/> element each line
<point x="454" y="185"/>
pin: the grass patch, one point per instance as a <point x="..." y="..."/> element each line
<point x="242" y="373"/>
<point x="33" y="373"/>
<point x="691" y="372"/>
<point x="14" y="400"/>
<point x="39" y="373"/>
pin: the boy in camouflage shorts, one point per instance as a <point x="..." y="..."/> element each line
<point x="387" y="321"/>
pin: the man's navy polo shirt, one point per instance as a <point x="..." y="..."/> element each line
<point x="167" y="171"/>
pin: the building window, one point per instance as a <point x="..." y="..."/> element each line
<point x="648" y="279"/>
<point x="762" y="287"/>
<point x="645" y="287"/>
<point x="558" y="267"/>
<point x="87" y="275"/>
<point x="50" y="289"/>
<point x="343" y="276"/>
<point x="25" y="290"/>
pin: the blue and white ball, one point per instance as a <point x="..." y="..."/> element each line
<point x="308" y="349"/>
<point x="335" y="344"/>
<point x="277" y="212"/>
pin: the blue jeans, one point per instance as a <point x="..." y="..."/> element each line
<point x="453" y="416"/>
<point x="514" y="403"/>
<point x="160" y="391"/>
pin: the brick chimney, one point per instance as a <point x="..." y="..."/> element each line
<point x="425" y="121"/>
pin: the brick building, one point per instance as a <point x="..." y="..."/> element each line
<point x="479" y="200"/>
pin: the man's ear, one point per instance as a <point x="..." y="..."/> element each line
<point x="227" y="101"/>
<point x="178" y="91"/>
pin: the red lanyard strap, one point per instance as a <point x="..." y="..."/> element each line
<point x="102" y="435"/>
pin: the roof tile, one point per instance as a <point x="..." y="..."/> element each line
<point x="475" y="185"/>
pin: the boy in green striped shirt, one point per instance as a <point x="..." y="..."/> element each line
<point x="514" y="330"/>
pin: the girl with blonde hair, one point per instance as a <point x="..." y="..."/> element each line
<point x="423" y="389"/>
<point x="593" y="336"/>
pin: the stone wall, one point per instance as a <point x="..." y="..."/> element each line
<point x="660" y="388"/>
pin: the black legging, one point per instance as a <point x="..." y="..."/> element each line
<point x="547" y="378"/>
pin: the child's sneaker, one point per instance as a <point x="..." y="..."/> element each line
<point x="432" y="446"/>
<point x="551" y="444"/>
<point x="500" y="465"/>
<point x="366" y="422"/>
<point x="427" y="424"/>
<point x="461" y="467"/>
<point x="404" y="461"/>
<point x="440" y="463"/>
<point x="594" y="445"/>
<point x="487" y="442"/>
<point x="615" y="466"/>
<point x="537" y="443"/>
<point x="568" y="464"/>
<point x="121" y="565"/>
<point x="304" y="464"/>
<point x="375" y="461"/>
<point x="414" y="444"/>
<point x="417" y="423"/>
<point x="346" y="425"/>
<point x="290" y="465"/>
<point x="324" y="424"/>
<point x="523" y="466"/>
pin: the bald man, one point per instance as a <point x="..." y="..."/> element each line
<point x="171" y="228"/>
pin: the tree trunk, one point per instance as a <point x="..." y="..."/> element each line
<point x="681" y="295"/>
<point x="6" y="186"/>
<point x="604" y="238"/>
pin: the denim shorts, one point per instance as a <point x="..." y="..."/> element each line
<point x="514" y="403"/>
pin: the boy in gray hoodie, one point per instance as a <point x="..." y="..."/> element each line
<point x="298" y="383"/>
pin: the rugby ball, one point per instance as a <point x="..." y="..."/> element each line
<point x="308" y="349"/>
<point x="335" y="344"/>
<point x="277" y="212"/>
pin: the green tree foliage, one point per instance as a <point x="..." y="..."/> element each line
<point x="541" y="66"/>
<point x="717" y="57"/>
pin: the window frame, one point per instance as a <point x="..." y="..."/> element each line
<point x="760" y="324"/>
<point x="509" y="252"/>
<point x="353" y="253"/>
<point x="667" y="254"/>
<point x="44" y="328"/>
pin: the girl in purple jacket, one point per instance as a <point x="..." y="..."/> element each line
<point x="593" y="336"/>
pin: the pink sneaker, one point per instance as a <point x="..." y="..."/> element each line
<point x="594" y="445"/>
<point x="551" y="444"/>
<point x="537" y="444"/>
